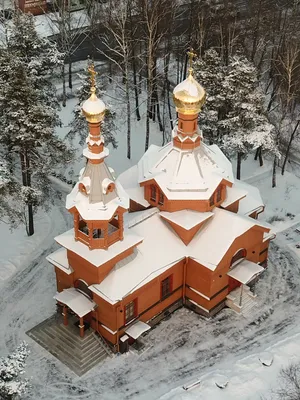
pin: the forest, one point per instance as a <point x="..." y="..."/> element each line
<point x="247" y="60"/>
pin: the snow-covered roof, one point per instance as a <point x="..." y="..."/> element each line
<point x="76" y="301"/>
<point x="97" y="204"/>
<point x="60" y="260"/>
<point x="97" y="257"/>
<point x="145" y="264"/>
<point x="188" y="219"/>
<point x="129" y="181"/>
<point x="245" y="271"/>
<point x="232" y="195"/>
<point x="137" y="329"/>
<point x="185" y="174"/>
<point x="252" y="201"/>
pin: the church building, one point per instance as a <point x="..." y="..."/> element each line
<point x="174" y="230"/>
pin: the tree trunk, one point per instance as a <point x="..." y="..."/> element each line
<point x="169" y="104"/>
<point x="135" y="83"/>
<point x="70" y="73"/>
<point x="239" y="165"/>
<point x="289" y="147"/>
<point x="161" y="128"/>
<point x="274" y="173"/>
<point x="64" y="96"/>
<point x="30" y="207"/>
<point x="258" y="155"/>
<point x="26" y="180"/>
<point x="128" y="114"/>
<point x="261" y="161"/>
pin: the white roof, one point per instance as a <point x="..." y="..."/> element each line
<point x="97" y="257"/>
<point x="252" y="201"/>
<point x="60" y="260"/>
<point x="145" y="264"/>
<point x="76" y="301"/>
<point x="232" y="195"/>
<point x="129" y="181"/>
<point x="245" y="271"/>
<point x="96" y="211"/>
<point x="185" y="174"/>
<point x="188" y="219"/>
<point x="137" y="329"/>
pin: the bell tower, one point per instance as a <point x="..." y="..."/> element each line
<point x="95" y="202"/>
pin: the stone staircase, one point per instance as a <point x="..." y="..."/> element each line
<point x="249" y="305"/>
<point x="64" y="343"/>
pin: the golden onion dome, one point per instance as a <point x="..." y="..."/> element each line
<point x="189" y="96"/>
<point x="93" y="108"/>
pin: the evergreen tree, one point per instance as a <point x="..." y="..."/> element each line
<point x="79" y="125"/>
<point x="233" y="116"/>
<point x="11" y="367"/>
<point x="28" y="117"/>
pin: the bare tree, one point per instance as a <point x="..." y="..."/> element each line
<point x="69" y="29"/>
<point x="118" y="49"/>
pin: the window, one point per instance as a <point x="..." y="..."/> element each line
<point x="211" y="200"/>
<point x="96" y="233"/>
<point x="82" y="226"/>
<point x="161" y="198"/>
<point x="166" y="287"/>
<point x="218" y="194"/>
<point x="130" y="311"/>
<point x="239" y="256"/>
<point x="153" y="192"/>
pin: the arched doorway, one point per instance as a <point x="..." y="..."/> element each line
<point x="238" y="257"/>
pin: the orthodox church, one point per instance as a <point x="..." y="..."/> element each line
<point x="174" y="230"/>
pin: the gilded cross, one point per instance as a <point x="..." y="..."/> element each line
<point x="191" y="56"/>
<point x="93" y="73"/>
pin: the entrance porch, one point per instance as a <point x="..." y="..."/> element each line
<point x="72" y="299"/>
<point x="241" y="299"/>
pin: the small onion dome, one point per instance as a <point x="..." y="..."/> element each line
<point x="93" y="108"/>
<point x="189" y="96"/>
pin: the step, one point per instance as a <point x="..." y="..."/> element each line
<point x="93" y="362"/>
<point x="72" y="342"/>
<point x="59" y="354"/>
<point x="82" y="355"/>
<point x="76" y="339"/>
<point x="96" y="357"/>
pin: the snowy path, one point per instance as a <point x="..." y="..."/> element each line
<point x="179" y="349"/>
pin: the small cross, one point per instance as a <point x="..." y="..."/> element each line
<point x="191" y="56"/>
<point x="93" y="73"/>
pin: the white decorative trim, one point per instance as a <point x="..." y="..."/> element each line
<point x="198" y="305"/>
<point x="109" y="330"/>
<point x="200" y="294"/>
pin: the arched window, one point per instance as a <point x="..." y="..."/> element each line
<point x="238" y="257"/>
<point x="83" y="288"/>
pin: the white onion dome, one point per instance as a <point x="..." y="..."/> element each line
<point x="189" y="96"/>
<point x="93" y="108"/>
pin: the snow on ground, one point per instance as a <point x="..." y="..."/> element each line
<point x="184" y="347"/>
<point x="247" y="378"/>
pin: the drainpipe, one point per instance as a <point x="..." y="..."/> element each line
<point x="184" y="279"/>
<point x="118" y="311"/>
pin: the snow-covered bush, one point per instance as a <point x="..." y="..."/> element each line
<point x="11" y="367"/>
